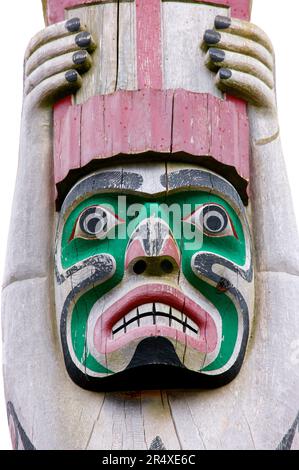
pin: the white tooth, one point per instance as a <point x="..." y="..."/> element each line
<point x="132" y="326"/>
<point x="118" y="324"/>
<point x="177" y="326"/>
<point x="118" y="334"/>
<point x="175" y="313"/>
<point x="132" y="314"/>
<point x="163" y="321"/>
<point x="146" y="308"/>
<point x="192" y="324"/>
<point x="146" y="321"/>
<point x="162" y="308"/>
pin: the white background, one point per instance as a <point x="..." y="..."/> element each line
<point x="22" y="19"/>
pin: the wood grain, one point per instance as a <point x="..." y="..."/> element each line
<point x="54" y="9"/>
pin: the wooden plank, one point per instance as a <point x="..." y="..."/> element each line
<point x="54" y="9"/>
<point x="187" y="428"/>
<point x="102" y="22"/>
<point x="158" y="421"/>
<point x="127" y="59"/>
<point x="120" y="424"/>
<point x="229" y="139"/>
<point x="143" y="123"/>
<point x="184" y="25"/>
<point x="191" y="123"/>
<point x="67" y="134"/>
<point x="197" y="125"/>
<point x="204" y="125"/>
<point x="149" y="47"/>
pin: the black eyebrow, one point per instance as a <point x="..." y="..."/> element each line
<point x="108" y="180"/>
<point x="192" y="179"/>
<point x="185" y="180"/>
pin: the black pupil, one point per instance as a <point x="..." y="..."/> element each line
<point x="214" y="223"/>
<point x="215" y="219"/>
<point x="93" y="221"/>
<point x="94" y="225"/>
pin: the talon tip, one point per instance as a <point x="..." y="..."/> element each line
<point x="73" y="25"/>
<point x="225" y="74"/>
<point x="216" y="55"/>
<point x="71" y="76"/>
<point x="80" y="57"/>
<point x="211" y="37"/>
<point x="83" y="39"/>
<point x="222" y="22"/>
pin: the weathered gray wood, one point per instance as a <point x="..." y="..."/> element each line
<point x="31" y="351"/>
<point x="101" y="20"/>
<point x="127" y="73"/>
<point x="184" y="25"/>
<point x="275" y="230"/>
<point x="113" y="28"/>
<point x="29" y="248"/>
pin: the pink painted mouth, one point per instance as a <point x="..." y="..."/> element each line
<point x="205" y="342"/>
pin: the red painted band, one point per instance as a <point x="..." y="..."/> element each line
<point x="161" y="121"/>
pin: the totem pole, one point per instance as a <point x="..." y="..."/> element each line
<point x="151" y="290"/>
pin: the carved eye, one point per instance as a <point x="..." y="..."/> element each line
<point x="213" y="220"/>
<point x="94" y="223"/>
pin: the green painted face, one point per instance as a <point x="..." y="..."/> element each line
<point x="139" y="272"/>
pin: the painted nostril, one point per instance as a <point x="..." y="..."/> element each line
<point x="167" y="266"/>
<point x="140" y="267"/>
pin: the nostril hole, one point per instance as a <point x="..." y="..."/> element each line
<point x="139" y="267"/>
<point x="167" y="266"/>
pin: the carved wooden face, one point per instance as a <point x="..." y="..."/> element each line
<point x="154" y="284"/>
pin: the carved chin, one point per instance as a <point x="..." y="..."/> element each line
<point x="127" y="334"/>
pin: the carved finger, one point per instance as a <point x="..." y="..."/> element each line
<point x="233" y="43"/>
<point x="59" y="85"/>
<point x="244" y="29"/>
<point x="218" y="58"/>
<point x="80" y="60"/>
<point x="71" y="43"/>
<point x="245" y="86"/>
<point x="55" y="31"/>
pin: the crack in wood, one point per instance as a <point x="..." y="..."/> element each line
<point x="95" y="422"/>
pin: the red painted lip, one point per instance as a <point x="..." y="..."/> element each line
<point x="206" y="342"/>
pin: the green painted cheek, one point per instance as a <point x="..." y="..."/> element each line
<point x="79" y="325"/>
<point x="227" y="311"/>
<point x="233" y="249"/>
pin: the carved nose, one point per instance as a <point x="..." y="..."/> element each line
<point x="152" y="249"/>
<point x="156" y="267"/>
